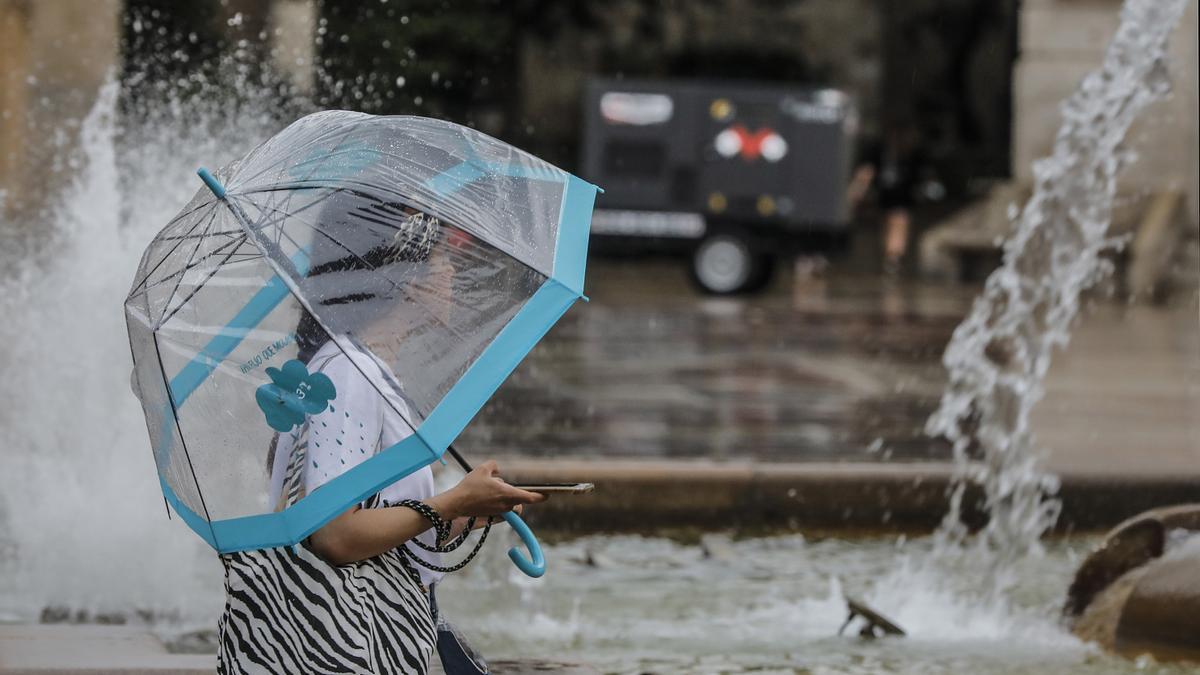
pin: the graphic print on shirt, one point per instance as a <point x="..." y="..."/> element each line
<point x="293" y="394"/>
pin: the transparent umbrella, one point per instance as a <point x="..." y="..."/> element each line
<point x="431" y="254"/>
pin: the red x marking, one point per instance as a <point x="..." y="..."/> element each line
<point x="751" y="142"/>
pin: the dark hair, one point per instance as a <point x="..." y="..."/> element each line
<point x="344" y="214"/>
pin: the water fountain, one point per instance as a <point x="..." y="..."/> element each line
<point x="77" y="469"/>
<point x="999" y="355"/>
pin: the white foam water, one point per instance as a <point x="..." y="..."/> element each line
<point x="998" y="357"/>
<point x="634" y="604"/>
<point x="83" y="528"/>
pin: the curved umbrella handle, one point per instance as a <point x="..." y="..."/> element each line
<point x="535" y="566"/>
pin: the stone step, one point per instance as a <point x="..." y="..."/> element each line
<point x="649" y="496"/>
<point x="64" y="649"/>
<point x="72" y="649"/>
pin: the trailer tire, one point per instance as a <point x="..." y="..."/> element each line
<point x="764" y="272"/>
<point x="724" y="264"/>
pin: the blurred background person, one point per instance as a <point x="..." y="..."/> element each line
<point x="892" y="168"/>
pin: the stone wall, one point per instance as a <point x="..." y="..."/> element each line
<point x="53" y="58"/>
<point x="1061" y="41"/>
<point x="56" y="54"/>
<point x="14" y="64"/>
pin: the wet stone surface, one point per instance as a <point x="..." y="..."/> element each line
<point x="840" y="369"/>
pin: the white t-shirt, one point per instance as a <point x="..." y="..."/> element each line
<point x="358" y="423"/>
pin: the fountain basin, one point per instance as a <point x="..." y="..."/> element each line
<point x="847" y="498"/>
<point x="1139" y="592"/>
<point x="649" y="604"/>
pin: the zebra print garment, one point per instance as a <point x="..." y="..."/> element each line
<point x="288" y="612"/>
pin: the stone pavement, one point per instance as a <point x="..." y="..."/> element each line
<point x="840" y="370"/>
<point x="61" y="649"/>
<point x="762" y="414"/>
<point x="65" y="649"/>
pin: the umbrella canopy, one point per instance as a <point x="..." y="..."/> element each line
<point x="431" y="254"/>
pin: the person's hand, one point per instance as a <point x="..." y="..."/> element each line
<point x="482" y="493"/>
<point x="859" y="184"/>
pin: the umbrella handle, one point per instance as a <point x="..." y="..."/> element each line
<point x="535" y="566"/>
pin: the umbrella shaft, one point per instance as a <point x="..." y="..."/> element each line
<point x="466" y="466"/>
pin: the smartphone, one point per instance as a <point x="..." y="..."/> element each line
<point x="557" y="488"/>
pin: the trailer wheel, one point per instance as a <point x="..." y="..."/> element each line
<point x="724" y="264"/>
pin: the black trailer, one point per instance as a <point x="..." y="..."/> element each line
<point x="736" y="174"/>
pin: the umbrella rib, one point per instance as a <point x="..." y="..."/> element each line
<point x="146" y="277"/>
<point x="429" y="313"/>
<point x="190" y="259"/>
<point x="238" y="231"/>
<point x="318" y="230"/>
<point x="367" y="195"/>
<point x="328" y="333"/>
<point x="473" y="159"/>
<point x="395" y="286"/>
<point x="312" y="142"/>
<point x="214" y="252"/>
<point x="179" y="430"/>
<point x="178" y="240"/>
<point x="427" y="310"/>
<point x="286" y="214"/>
<point x="322" y="184"/>
<point x="244" y="257"/>
<point x="213" y="273"/>
<point x="402" y="198"/>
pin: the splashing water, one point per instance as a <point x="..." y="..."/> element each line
<point x="1000" y="353"/>
<point x="78" y="482"/>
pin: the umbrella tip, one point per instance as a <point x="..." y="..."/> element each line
<point x="212" y="183"/>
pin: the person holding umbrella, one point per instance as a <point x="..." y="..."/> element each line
<point x="313" y="331"/>
<point x="380" y="540"/>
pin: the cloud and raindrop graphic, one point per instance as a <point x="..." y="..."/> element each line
<point x="292" y="394"/>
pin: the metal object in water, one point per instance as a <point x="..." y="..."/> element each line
<point x="874" y="624"/>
